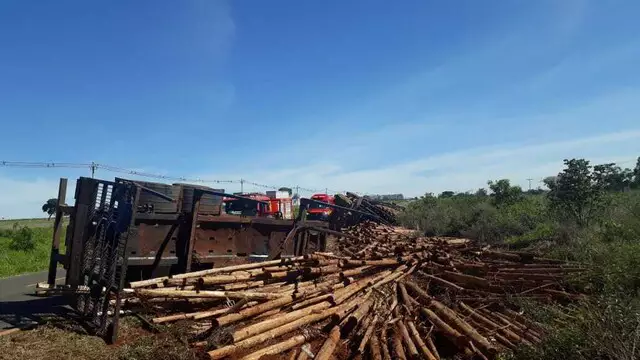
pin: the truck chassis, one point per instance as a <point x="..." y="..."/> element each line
<point x="127" y="230"/>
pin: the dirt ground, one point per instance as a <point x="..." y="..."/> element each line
<point x="65" y="340"/>
<point x="61" y="340"/>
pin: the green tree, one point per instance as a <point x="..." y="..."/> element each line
<point x="576" y="193"/>
<point x="635" y="182"/>
<point x="446" y="194"/>
<point x="482" y="192"/>
<point x="503" y="193"/>
<point x="550" y="181"/>
<point x="50" y="207"/>
<point x="611" y="177"/>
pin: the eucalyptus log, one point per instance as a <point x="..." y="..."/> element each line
<point x="150" y="293"/>
<point x="252" y="311"/>
<point x="374" y="347"/>
<point x="408" y="342"/>
<point x="273" y="333"/>
<point x="277" y="348"/>
<point x="417" y="339"/>
<point x="329" y="345"/>
<point x="269" y="324"/>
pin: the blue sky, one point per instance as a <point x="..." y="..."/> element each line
<point x="372" y="96"/>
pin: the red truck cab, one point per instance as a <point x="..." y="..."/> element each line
<point x="237" y="206"/>
<point x="319" y="211"/>
<point x="264" y="206"/>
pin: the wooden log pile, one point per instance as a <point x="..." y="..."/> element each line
<point x="383" y="211"/>
<point x="387" y="294"/>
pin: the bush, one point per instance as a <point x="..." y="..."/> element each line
<point x="17" y="261"/>
<point x="8" y="233"/>
<point x="475" y="217"/>
<point x="605" y="328"/>
<point x="22" y="239"/>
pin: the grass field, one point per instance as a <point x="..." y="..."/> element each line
<point x="32" y="223"/>
<point x="14" y="262"/>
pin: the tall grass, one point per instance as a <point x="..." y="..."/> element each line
<point x="13" y="262"/>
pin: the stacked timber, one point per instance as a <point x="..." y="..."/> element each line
<point x="387" y="294"/>
<point x="382" y="212"/>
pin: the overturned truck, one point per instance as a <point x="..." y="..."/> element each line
<point x="125" y="230"/>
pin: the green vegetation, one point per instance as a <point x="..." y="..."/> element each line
<point x="40" y="222"/>
<point x="589" y="214"/>
<point x="50" y="207"/>
<point x="25" y="249"/>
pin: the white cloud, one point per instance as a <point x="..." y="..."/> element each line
<point x="459" y="171"/>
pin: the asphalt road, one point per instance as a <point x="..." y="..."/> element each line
<point x="20" y="307"/>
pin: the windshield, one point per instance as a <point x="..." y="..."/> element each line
<point x="317" y="206"/>
<point x="240" y="207"/>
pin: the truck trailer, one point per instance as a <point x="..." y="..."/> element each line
<point x="125" y="230"/>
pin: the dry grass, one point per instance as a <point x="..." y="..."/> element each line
<point x="63" y="342"/>
<point x="52" y="343"/>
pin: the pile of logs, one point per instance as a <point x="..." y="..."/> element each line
<point x="382" y="211"/>
<point x="387" y="294"/>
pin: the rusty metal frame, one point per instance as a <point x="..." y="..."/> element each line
<point x="100" y="227"/>
<point x="57" y="230"/>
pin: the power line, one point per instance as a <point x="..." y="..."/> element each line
<point x="93" y="167"/>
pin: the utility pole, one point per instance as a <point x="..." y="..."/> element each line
<point x="326" y="191"/>
<point x="529" y="180"/>
<point x="242" y="186"/>
<point x="93" y="169"/>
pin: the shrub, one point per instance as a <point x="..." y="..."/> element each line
<point x="22" y="239"/>
<point x="6" y="233"/>
<point x="606" y="328"/>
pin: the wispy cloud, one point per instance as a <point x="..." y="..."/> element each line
<point x="463" y="170"/>
<point x="459" y="171"/>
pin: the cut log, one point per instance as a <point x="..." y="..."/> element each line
<point x="467" y="280"/>
<point x="412" y="350"/>
<point x="251" y="311"/>
<point x="277" y="348"/>
<point x="398" y="350"/>
<point x="368" y="334"/>
<point x="418" y="341"/>
<point x="313" y="300"/>
<point x="354" y="319"/>
<point x="406" y="299"/>
<point x="432" y="346"/>
<point x="384" y="344"/>
<point x="222" y="279"/>
<point x="329" y="345"/>
<point x="374" y="347"/>
<point x="452" y="318"/>
<point x="269" y="324"/>
<point x="510" y="335"/>
<point x="272" y="334"/>
<point x="448" y="331"/>
<point x="442" y="282"/>
<point x="228" y="269"/>
<point x="150" y="293"/>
